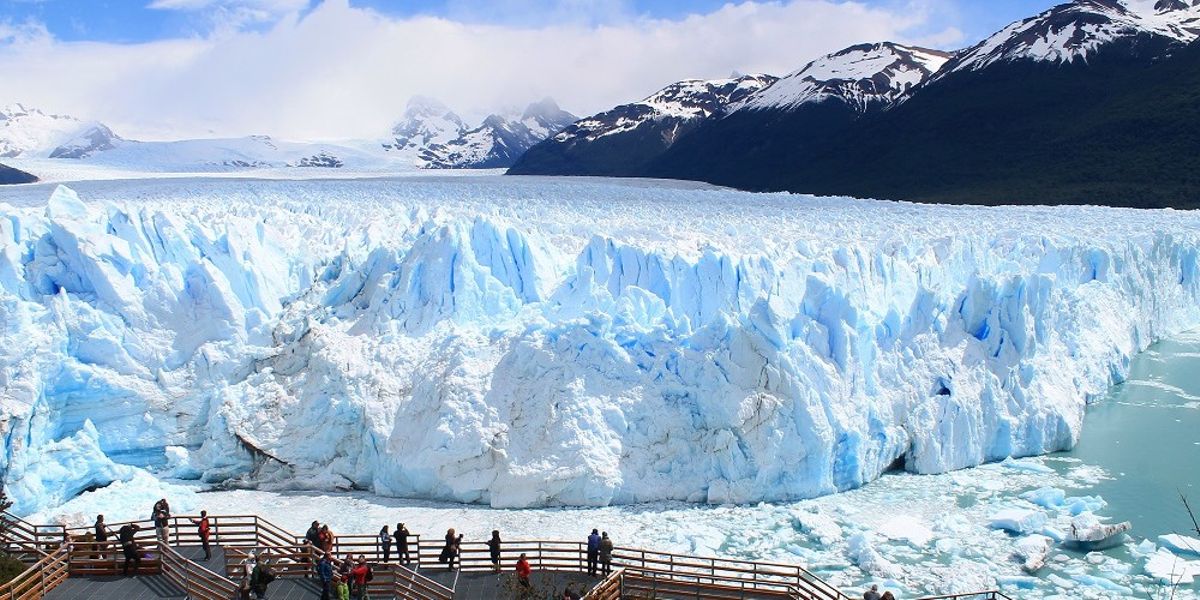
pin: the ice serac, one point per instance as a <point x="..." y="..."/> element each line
<point x="494" y="344"/>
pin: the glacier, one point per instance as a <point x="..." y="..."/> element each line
<point x="524" y="342"/>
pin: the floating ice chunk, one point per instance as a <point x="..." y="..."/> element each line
<point x="1144" y="548"/>
<point x="1018" y="520"/>
<point x="906" y="528"/>
<point x="861" y="551"/>
<point x="1054" y="534"/>
<point x="1027" y="465"/>
<point x="1017" y="582"/>
<point x="1180" y="544"/>
<point x="1089" y="533"/>
<point x="1078" y="505"/>
<point x="1033" y="551"/>
<point x="1167" y="568"/>
<point x="1046" y="497"/>
<point x="1102" y="583"/>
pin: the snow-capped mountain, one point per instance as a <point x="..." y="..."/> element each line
<point x="629" y="135"/>
<point x="1075" y="30"/>
<point x="1087" y="102"/>
<point x="30" y="133"/>
<point x="426" y="123"/>
<point x="862" y="76"/>
<point x="670" y="108"/>
<point x="500" y="140"/>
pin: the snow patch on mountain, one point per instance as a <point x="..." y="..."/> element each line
<point x="490" y="341"/>
<point x="427" y="123"/>
<point x="500" y="140"/>
<point x="680" y="102"/>
<point x="862" y="76"/>
<point x="1075" y="30"/>
<point x="30" y="133"/>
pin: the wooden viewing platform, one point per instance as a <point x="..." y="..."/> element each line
<point x="66" y="564"/>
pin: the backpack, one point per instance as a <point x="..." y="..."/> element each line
<point x="370" y="573"/>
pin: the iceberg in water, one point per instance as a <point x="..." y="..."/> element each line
<point x="524" y="343"/>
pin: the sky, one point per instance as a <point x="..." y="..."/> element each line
<point x="344" y="69"/>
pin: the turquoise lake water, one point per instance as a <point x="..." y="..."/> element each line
<point x="1146" y="434"/>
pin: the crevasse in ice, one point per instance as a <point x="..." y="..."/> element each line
<point x="467" y="353"/>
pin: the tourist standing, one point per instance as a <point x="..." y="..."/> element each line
<point x="127" y="535"/>
<point x="523" y="571"/>
<point x="202" y="528"/>
<point x="160" y="526"/>
<point x="326" y="539"/>
<point x="313" y="535"/>
<point x="385" y="542"/>
<point x="325" y="574"/>
<point x="101" y="537"/>
<point x="606" y="550"/>
<point x="451" y="550"/>
<point x="872" y="594"/>
<point x="494" y="550"/>
<point x="343" y="590"/>
<point x="593" y="552"/>
<point x="401" y="537"/>
<point x="361" y="574"/>
<point x="260" y="578"/>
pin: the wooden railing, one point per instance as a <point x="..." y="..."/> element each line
<point x="410" y="585"/>
<point x="986" y="595"/>
<point x="36" y="581"/>
<point x="647" y="570"/>
<point x="60" y="551"/>
<point x="29" y="542"/>
<point x="611" y="588"/>
<point x="196" y="581"/>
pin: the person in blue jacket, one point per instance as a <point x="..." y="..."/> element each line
<point x="325" y="573"/>
<point x="593" y="552"/>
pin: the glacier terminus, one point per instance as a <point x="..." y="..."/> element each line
<point x="533" y="342"/>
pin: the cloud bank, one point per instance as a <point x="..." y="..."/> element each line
<point x="334" y="71"/>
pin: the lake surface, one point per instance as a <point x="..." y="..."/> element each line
<point x="1146" y="435"/>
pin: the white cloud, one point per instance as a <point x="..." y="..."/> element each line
<point x="340" y="71"/>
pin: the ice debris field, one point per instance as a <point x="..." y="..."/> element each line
<point x="525" y="342"/>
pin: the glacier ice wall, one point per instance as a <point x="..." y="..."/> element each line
<point x="553" y="343"/>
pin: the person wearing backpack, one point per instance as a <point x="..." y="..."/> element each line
<point x="260" y="578"/>
<point x="361" y="574"/>
<point x="202" y="527"/>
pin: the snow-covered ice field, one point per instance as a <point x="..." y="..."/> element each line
<point x="520" y="342"/>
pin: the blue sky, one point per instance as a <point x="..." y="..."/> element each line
<point x="336" y="69"/>
<point x="133" y="21"/>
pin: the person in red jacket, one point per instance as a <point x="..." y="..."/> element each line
<point x="360" y="574"/>
<point x="523" y="571"/>
<point x="202" y="526"/>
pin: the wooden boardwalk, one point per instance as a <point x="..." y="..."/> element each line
<point x="117" y="587"/>
<point x="477" y="585"/>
